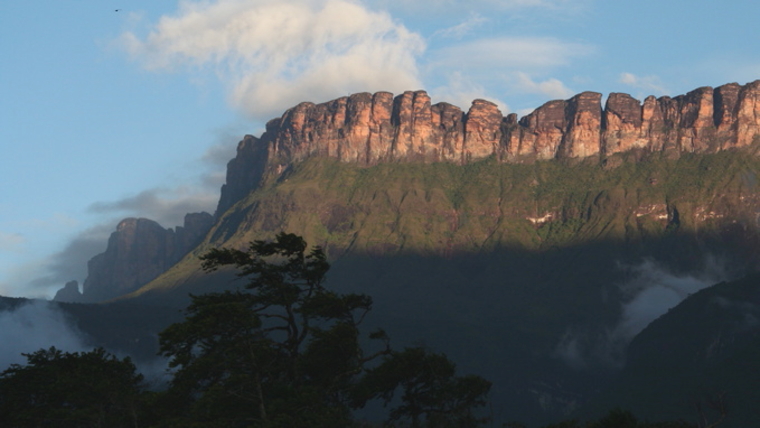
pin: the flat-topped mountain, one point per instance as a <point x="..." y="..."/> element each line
<point x="367" y="129"/>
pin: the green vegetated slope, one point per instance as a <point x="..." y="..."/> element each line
<point x="556" y="220"/>
<point x="447" y="209"/>
<point x="496" y="264"/>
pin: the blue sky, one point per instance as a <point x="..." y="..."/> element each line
<point x="106" y="115"/>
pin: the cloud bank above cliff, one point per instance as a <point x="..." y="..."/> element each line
<point x="271" y="55"/>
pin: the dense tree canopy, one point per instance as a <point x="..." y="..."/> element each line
<point x="59" y="389"/>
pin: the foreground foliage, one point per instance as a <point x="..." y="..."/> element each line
<point x="285" y="352"/>
<point x="61" y="389"/>
<point x="282" y="351"/>
<point x="618" y="418"/>
<point x="431" y="393"/>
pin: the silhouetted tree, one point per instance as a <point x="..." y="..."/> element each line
<point x="431" y="394"/>
<point x="283" y="352"/>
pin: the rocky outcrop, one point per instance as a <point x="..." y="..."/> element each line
<point x="69" y="293"/>
<point x="193" y="230"/>
<point x="138" y="251"/>
<point x="370" y="128"/>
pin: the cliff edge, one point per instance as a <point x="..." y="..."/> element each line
<point x="368" y="129"/>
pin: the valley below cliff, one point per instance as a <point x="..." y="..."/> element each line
<point x="532" y="252"/>
<point x="519" y="272"/>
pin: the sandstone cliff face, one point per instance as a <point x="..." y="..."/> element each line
<point x="138" y="251"/>
<point x="370" y="128"/>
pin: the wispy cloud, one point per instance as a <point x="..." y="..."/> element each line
<point x="651" y="85"/>
<point x="167" y="206"/>
<point x="494" y="55"/>
<point x="222" y="151"/>
<point x="52" y="272"/>
<point x="272" y="54"/>
<point x="461" y="91"/>
<point x="551" y="87"/>
<point x="463" y="28"/>
<point x="216" y="158"/>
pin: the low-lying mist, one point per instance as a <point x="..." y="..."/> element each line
<point x="650" y="291"/>
<point x="654" y="289"/>
<point x="35" y="325"/>
<point x="40" y="324"/>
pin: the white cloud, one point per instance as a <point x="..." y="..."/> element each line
<point x="550" y="87"/>
<point x="651" y="84"/>
<point x="272" y="54"/>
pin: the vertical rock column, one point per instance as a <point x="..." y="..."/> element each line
<point x="748" y="115"/>
<point x="482" y="130"/>
<point x="543" y="130"/>
<point x="381" y="130"/>
<point x="622" y="123"/>
<point x="697" y="121"/>
<point x="584" y="119"/>
<point x="449" y="121"/>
